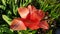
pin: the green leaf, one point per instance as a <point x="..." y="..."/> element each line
<point x="33" y="32"/>
<point x="15" y="1"/>
<point x="54" y="15"/>
<point x="9" y="2"/>
<point x="9" y="12"/>
<point x="2" y="7"/>
<point x="52" y="11"/>
<point x="49" y="7"/>
<point x="15" y="7"/>
<point x="5" y="29"/>
<point x="4" y="2"/>
<point x="1" y="32"/>
<point x="50" y="32"/>
<point x="27" y="2"/>
<point x="24" y="3"/>
<point x="7" y="19"/>
<point x="45" y="7"/>
<point x="42" y="4"/>
<point x="19" y="32"/>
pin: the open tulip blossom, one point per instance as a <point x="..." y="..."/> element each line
<point x="31" y="18"/>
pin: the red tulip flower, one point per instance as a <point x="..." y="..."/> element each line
<point x="31" y="18"/>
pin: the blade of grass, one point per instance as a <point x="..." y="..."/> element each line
<point x="7" y="19"/>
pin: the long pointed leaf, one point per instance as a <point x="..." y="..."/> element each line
<point x="7" y="19"/>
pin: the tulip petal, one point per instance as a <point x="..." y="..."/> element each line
<point x="44" y="24"/>
<point x="32" y="15"/>
<point x="41" y="14"/>
<point x="17" y="24"/>
<point x="33" y="25"/>
<point x="31" y="8"/>
<point x="23" y="12"/>
<point x="35" y="14"/>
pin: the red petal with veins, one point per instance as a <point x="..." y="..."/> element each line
<point x="23" y="12"/>
<point x="33" y="25"/>
<point x="17" y="24"/>
<point x="35" y="14"/>
<point x="41" y="14"/>
<point x="44" y="24"/>
<point x="31" y="8"/>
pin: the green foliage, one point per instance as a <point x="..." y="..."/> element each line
<point x="55" y="13"/>
<point x="4" y="2"/>
<point x="5" y="30"/>
<point x="24" y="2"/>
<point x="51" y="6"/>
<point x="27" y="32"/>
<point x="11" y="7"/>
<point x="2" y="7"/>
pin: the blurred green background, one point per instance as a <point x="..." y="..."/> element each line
<point x="8" y="11"/>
